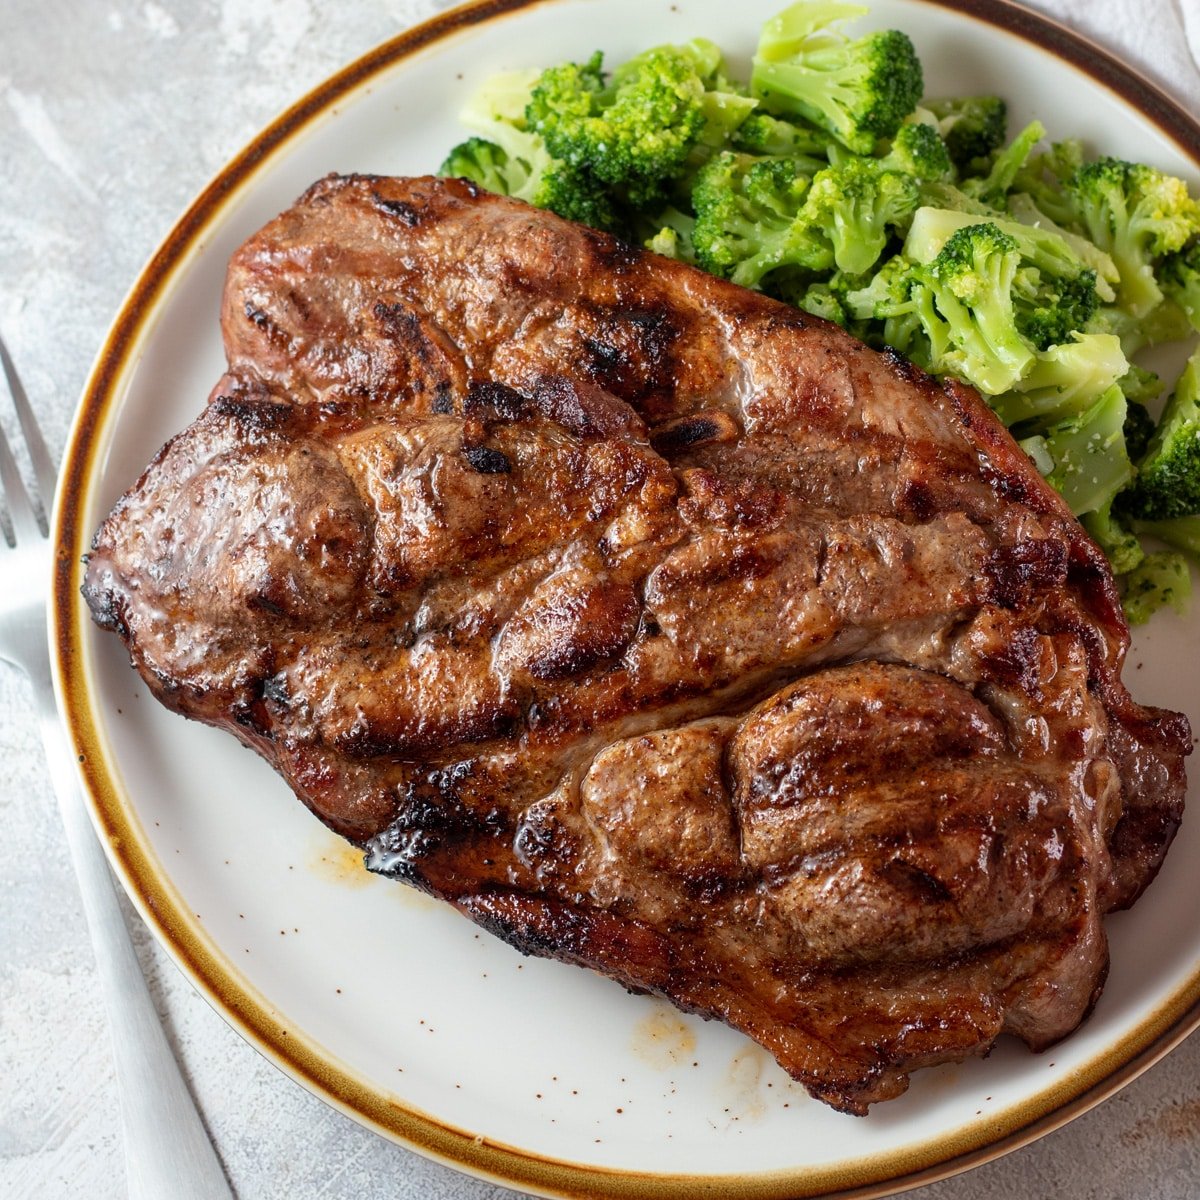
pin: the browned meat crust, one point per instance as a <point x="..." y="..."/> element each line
<point x="659" y="627"/>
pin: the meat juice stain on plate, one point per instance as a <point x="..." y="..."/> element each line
<point x="662" y="1038"/>
<point x="741" y="1090"/>
<point x="339" y="862"/>
<point x="753" y="1085"/>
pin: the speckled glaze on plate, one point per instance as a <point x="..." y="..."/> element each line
<point x="394" y="1008"/>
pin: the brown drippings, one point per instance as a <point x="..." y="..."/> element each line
<point x="663" y="1038"/>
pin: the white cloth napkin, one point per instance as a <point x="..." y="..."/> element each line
<point x="1158" y="38"/>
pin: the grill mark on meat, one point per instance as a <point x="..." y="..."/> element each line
<point x="443" y="400"/>
<point x="1018" y="573"/>
<point x="803" y="709"/>
<point x="488" y="461"/>
<point x="403" y="326"/>
<point x="629" y="352"/>
<point x="407" y="213"/>
<point x="691" y="432"/>
<point x="494" y="399"/>
<point x="262" y="321"/>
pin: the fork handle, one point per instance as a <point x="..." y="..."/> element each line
<point x="167" y="1150"/>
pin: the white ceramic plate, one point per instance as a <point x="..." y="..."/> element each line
<point x="395" y="1008"/>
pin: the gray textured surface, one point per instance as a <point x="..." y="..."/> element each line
<point x="112" y="115"/>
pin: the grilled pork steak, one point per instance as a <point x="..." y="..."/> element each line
<point x="659" y="627"/>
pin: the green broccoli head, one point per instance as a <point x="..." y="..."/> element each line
<point x="761" y="133"/>
<point x="635" y="132"/>
<point x="1023" y="210"/>
<point x="820" y="300"/>
<point x="1051" y="307"/>
<point x="899" y="296"/>
<point x="536" y="178"/>
<point x="578" y="196"/>
<point x="746" y="219"/>
<point x="854" y="206"/>
<point x="1054" y="291"/>
<point x="1168" y="483"/>
<point x="1137" y="215"/>
<point x="1179" y="276"/>
<point x="971" y="280"/>
<point x="672" y="235"/>
<point x="918" y="150"/>
<point x="888" y="293"/>
<point x="860" y="91"/>
<point x="726" y="105"/>
<point x="972" y="126"/>
<point x="486" y="164"/>
<point x="1159" y="579"/>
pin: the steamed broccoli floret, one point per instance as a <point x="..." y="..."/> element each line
<point x="858" y="90"/>
<point x="1137" y="215"/>
<point x="746" y="219"/>
<point x="1043" y="249"/>
<point x="509" y="159"/>
<point x="1121" y="548"/>
<point x="534" y="177"/>
<point x="636" y="131"/>
<point x="1054" y="293"/>
<point x="1052" y="307"/>
<point x="1044" y="177"/>
<point x="900" y="296"/>
<point x="725" y="104"/>
<point x="995" y="185"/>
<point x="1179" y="276"/>
<point x="1022" y="208"/>
<point x="820" y="300"/>
<point x="761" y="133"/>
<point x="673" y="236"/>
<point x="1064" y="379"/>
<point x="918" y="150"/>
<point x="1160" y="579"/>
<point x="1090" y="461"/>
<point x="1168" y="483"/>
<point x="972" y="282"/>
<point x="486" y="164"/>
<point x="854" y="206"/>
<point x="886" y="294"/>
<point x="972" y="126"/>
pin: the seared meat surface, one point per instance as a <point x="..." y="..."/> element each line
<point x="659" y="627"/>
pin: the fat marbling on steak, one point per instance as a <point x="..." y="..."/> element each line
<point x="658" y="626"/>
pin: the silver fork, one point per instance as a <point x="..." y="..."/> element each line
<point x="167" y="1151"/>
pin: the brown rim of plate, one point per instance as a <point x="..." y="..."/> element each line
<point x="216" y="978"/>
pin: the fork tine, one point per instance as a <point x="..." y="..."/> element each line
<point x="43" y="465"/>
<point x="20" y="507"/>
